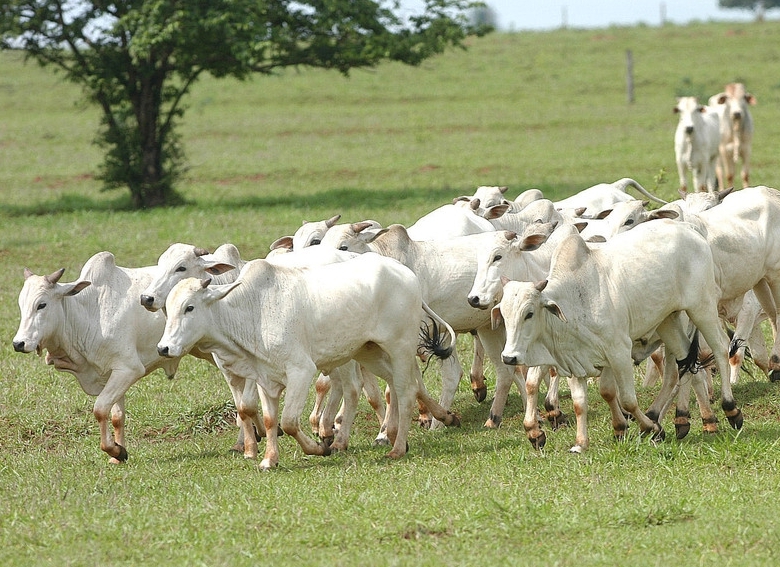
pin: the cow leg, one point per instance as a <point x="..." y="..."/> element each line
<point x="350" y="378"/>
<point x="373" y="394"/>
<point x="701" y="389"/>
<point x="327" y="426"/>
<point x="654" y="367"/>
<point x="555" y="416"/>
<point x="406" y="381"/>
<point x="236" y="390"/>
<point x="118" y="421"/>
<point x="477" y="373"/>
<point x="533" y="431"/>
<point x="579" y="398"/>
<point x="270" y="403"/>
<point x="609" y="391"/>
<point x="110" y="397"/>
<point x="451" y="373"/>
<point x="708" y="323"/>
<point x="494" y="340"/>
<point x="247" y="411"/>
<point x="321" y="389"/>
<point x="298" y="382"/>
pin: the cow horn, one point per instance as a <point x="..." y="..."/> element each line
<point x="204" y="283"/>
<point x="474" y="204"/>
<point x="540" y="285"/>
<point x="55" y="277"/>
<point x="510" y="234"/>
<point x="332" y="220"/>
<point x="200" y="251"/>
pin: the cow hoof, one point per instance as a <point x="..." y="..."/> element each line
<point x="774" y="376"/>
<point x="237" y="448"/>
<point x="121" y="457"/>
<point x="327" y="441"/>
<point x="577" y="450"/>
<point x="681" y="430"/>
<point x="425" y="423"/>
<point x="325" y="450"/>
<point x="539" y="441"/>
<point x="454" y="421"/>
<point x="659" y="436"/>
<point x="267" y="465"/>
<point x="381" y="440"/>
<point x="557" y="419"/>
<point x="480" y="393"/>
<point x="735" y="420"/>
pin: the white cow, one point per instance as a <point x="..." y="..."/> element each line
<point x="95" y="329"/>
<point x="587" y="316"/>
<point x="523" y="257"/>
<point x="448" y="221"/>
<point x="591" y="201"/>
<point x="742" y="232"/>
<point x="736" y="132"/>
<point x="276" y="326"/>
<point x="696" y="141"/>
<point x="446" y="270"/>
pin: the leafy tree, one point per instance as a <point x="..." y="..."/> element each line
<point x="137" y="59"/>
<point x="757" y="6"/>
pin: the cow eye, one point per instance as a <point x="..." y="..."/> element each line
<point x="497" y="257"/>
<point x="629" y="222"/>
<point x="528" y="315"/>
<point x="189" y="308"/>
<point x="343" y="247"/>
<point x="41" y="305"/>
<point x="181" y="269"/>
<point x="315" y="241"/>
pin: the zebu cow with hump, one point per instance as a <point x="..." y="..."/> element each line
<point x="588" y="316"/>
<point x="276" y="326"/>
<point x="95" y="329"/>
<point x="696" y="141"/>
<point x="736" y="132"/>
<point x="591" y="201"/>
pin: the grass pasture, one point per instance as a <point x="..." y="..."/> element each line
<point x="544" y="110"/>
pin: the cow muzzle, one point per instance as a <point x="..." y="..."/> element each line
<point x="19" y="346"/>
<point x="474" y="301"/>
<point x="148" y="302"/>
<point x="510" y="360"/>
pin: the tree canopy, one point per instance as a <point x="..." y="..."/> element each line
<point x="757" y="6"/>
<point x="137" y="59"/>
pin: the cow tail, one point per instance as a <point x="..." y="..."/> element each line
<point x="431" y="337"/>
<point x="690" y="363"/>
<point x="628" y="182"/>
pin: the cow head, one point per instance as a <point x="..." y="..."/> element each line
<point x="520" y="310"/>
<point x="311" y="233"/>
<point x="178" y="262"/>
<point x="688" y="108"/>
<point x="353" y="237"/>
<point x="40" y="304"/>
<point x="504" y="250"/>
<point x="188" y="309"/>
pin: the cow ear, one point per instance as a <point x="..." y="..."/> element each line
<point x="495" y="317"/>
<point x="675" y="110"/>
<point x="74" y="288"/>
<point x="215" y="267"/>
<point x="750" y="99"/>
<point x="596" y="239"/>
<point x="662" y="214"/>
<point x="216" y="293"/>
<point x="555" y="309"/>
<point x="536" y="235"/>
<point x="496" y="211"/>
<point x="27" y="273"/>
<point x="282" y="242"/>
<point x="722" y="98"/>
<point x="603" y="214"/>
<point x="580" y="226"/>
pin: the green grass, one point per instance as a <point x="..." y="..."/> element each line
<point x="544" y="110"/>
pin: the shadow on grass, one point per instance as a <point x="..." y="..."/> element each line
<point x="338" y="198"/>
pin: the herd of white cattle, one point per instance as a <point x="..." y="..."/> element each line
<point x="585" y="287"/>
